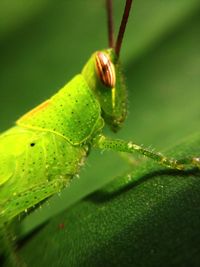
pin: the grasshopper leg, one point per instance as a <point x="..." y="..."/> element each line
<point x="27" y="199"/>
<point x="19" y="204"/>
<point x="106" y="143"/>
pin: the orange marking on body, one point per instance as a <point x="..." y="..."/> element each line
<point x="35" y="110"/>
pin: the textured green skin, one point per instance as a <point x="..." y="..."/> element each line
<point x="44" y="151"/>
<point x="63" y="114"/>
<point x="33" y="173"/>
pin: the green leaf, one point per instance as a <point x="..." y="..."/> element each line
<point x="148" y="218"/>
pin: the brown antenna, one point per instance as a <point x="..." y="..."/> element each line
<point x="123" y="26"/>
<point x="109" y="8"/>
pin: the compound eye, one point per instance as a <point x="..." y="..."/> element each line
<point x="105" y="69"/>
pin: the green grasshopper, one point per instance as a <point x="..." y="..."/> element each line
<point x="46" y="148"/>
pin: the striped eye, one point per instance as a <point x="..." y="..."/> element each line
<point x="105" y="70"/>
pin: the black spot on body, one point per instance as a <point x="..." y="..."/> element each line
<point x="32" y="144"/>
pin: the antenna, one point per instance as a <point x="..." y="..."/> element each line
<point x="109" y="8"/>
<point x="123" y="26"/>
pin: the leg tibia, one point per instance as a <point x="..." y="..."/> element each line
<point x="106" y="143"/>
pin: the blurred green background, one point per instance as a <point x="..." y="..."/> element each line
<point x="43" y="44"/>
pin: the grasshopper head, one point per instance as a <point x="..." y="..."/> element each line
<point x="103" y="75"/>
